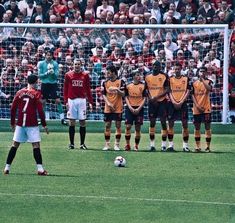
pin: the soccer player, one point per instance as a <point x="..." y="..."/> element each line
<point x="135" y="96"/>
<point x="27" y="102"/>
<point x="157" y="87"/>
<point x="48" y="72"/>
<point x="202" y="108"/>
<point x="76" y="92"/>
<point x="177" y="107"/>
<point x="113" y="91"/>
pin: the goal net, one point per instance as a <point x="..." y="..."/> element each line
<point x="128" y="47"/>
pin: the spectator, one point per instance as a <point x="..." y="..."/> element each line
<point x="169" y="46"/>
<point x="156" y="11"/>
<point x="98" y="43"/>
<point x="6" y="31"/>
<point x="9" y="81"/>
<point x="59" y="10"/>
<point x="189" y="16"/>
<point x="138" y="9"/>
<point x="19" y="18"/>
<point x="104" y="8"/>
<point x="213" y="60"/>
<point x="62" y="51"/>
<point x="164" y="6"/>
<point x="14" y="10"/>
<point x="28" y="10"/>
<point x="193" y="4"/>
<point x="47" y="43"/>
<point x="136" y="43"/>
<point x="206" y="11"/>
<point x="123" y="10"/>
<point x="90" y="7"/>
<point x="38" y="15"/>
<point x="180" y="6"/>
<point x="227" y="11"/>
<point x="39" y="55"/>
<point x="131" y="55"/>
<point x="46" y="5"/>
<point x="109" y="18"/>
<point x="172" y="13"/>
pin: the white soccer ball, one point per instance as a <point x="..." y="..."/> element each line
<point x="120" y="161"/>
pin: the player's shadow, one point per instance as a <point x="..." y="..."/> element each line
<point x="159" y="151"/>
<point x="49" y="175"/>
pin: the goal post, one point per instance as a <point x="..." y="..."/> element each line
<point x="23" y="45"/>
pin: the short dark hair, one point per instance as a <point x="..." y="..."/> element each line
<point x="157" y="63"/>
<point x="135" y="72"/>
<point x="32" y="79"/>
<point x="113" y="69"/>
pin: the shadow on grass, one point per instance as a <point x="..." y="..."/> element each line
<point x="159" y="151"/>
<point x="49" y="175"/>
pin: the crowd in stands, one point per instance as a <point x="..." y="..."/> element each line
<point x="22" y="48"/>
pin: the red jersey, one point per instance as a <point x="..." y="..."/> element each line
<point x="77" y="85"/>
<point x="29" y="105"/>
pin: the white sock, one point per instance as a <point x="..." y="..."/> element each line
<point x="163" y="143"/>
<point x="116" y="143"/>
<point x="185" y="144"/>
<point x="152" y="143"/>
<point x="107" y="144"/>
<point x="40" y="168"/>
<point x="7" y="167"/>
<point x="171" y="144"/>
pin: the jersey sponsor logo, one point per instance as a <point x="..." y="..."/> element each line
<point x="155" y="88"/>
<point x="77" y="83"/>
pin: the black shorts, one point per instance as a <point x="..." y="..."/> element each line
<point x="202" y="118"/>
<point x="131" y="118"/>
<point x="158" y="110"/>
<point x="174" y="114"/>
<point x="49" y="91"/>
<point x="108" y="117"/>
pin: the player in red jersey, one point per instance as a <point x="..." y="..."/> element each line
<point x="27" y="102"/>
<point x="76" y="91"/>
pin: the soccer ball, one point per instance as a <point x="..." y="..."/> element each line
<point x="120" y="161"/>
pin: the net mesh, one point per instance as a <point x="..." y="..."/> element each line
<point x="128" y="49"/>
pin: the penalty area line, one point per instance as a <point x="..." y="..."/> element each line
<point x="120" y="198"/>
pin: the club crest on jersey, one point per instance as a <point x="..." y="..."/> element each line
<point x="77" y="83"/>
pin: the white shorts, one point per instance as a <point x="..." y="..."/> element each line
<point x="27" y="134"/>
<point x="77" y="109"/>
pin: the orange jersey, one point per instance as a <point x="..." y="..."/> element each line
<point x="156" y="84"/>
<point x="135" y="93"/>
<point x="113" y="98"/>
<point x="178" y="87"/>
<point x="202" y="96"/>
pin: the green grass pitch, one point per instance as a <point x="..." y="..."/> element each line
<point x="84" y="186"/>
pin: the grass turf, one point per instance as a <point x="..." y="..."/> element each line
<point x="84" y="186"/>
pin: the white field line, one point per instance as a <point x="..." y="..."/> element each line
<point x="120" y="198"/>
